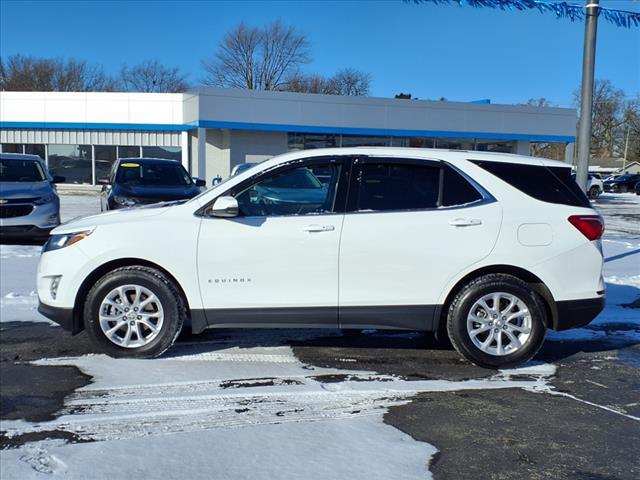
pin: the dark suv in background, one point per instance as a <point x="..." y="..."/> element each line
<point x="142" y="181"/>
<point x="623" y="183"/>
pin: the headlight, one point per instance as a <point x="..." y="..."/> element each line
<point x="125" y="201"/>
<point x="45" y="199"/>
<point x="57" y="242"/>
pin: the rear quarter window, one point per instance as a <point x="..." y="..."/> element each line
<point x="547" y="184"/>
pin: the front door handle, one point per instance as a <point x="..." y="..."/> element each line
<point x="319" y="228"/>
<point x="465" y="222"/>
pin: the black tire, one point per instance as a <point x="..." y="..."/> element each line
<point x="167" y="293"/>
<point x="463" y="302"/>
<point x="594" y="192"/>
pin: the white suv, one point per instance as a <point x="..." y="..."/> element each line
<point x="492" y="249"/>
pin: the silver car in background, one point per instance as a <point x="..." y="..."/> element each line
<point x="29" y="202"/>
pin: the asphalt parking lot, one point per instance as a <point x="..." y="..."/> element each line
<point x="574" y="415"/>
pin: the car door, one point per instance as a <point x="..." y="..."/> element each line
<point x="409" y="228"/>
<point x="276" y="263"/>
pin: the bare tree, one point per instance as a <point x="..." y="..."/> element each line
<point x="607" y="118"/>
<point x="346" y="82"/>
<point x="23" y="73"/>
<point x="257" y="58"/>
<point x="152" y="76"/>
<point x="309" y="83"/>
<point x="553" y="151"/>
<point x="350" y="81"/>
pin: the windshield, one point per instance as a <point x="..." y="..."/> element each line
<point x="166" y="174"/>
<point x="14" y="170"/>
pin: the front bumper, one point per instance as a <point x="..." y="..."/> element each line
<point x="577" y="313"/>
<point x="36" y="223"/>
<point x="24" y="231"/>
<point x="62" y="316"/>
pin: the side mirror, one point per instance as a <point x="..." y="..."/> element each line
<point x="225" y="207"/>
<point x="199" y="182"/>
<point x="58" y="179"/>
<point x="103" y="181"/>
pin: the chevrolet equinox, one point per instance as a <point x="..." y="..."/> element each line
<point x="489" y="249"/>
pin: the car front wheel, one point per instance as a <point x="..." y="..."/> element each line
<point x="497" y="321"/>
<point x="134" y="312"/>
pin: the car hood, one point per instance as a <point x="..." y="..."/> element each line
<point x="24" y="189"/>
<point x="111" y="217"/>
<point x="157" y="192"/>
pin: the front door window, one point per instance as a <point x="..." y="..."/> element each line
<point x="304" y="190"/>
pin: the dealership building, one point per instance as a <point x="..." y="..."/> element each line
<point x="210" y="130"/>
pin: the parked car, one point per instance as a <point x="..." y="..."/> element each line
<point x="637" y="188"/>
<point x="595" y="186"/>
<point x="489" y="249"/>
<point x="623" y="183"/>
<point x="29" y="203"/>
<point x="142" y="181"/>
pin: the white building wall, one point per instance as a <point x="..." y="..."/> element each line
<point x="92" y="107"/>
<point x="253" y="146"/>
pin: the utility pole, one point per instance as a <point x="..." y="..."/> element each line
<point x="586" y="95"/>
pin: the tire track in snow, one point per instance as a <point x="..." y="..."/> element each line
<point x="136" y="411"/>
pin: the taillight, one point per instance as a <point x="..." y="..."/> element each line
<point x="591" y="226"/>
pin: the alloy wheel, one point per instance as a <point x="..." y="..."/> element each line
<point x="131" y="316"/>
<point x="499" y="323"/>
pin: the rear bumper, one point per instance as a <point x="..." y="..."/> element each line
<point x="577" y="313"/>
<point x="62" y="316"/>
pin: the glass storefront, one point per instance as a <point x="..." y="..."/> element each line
<point x="76" y="162"/>
<point x="12" y="148"/>
<point x="303" y="141"/>
<point x="129" y="151"/>
<point x="73" y="162"/>
<point x="364" y="141"/>
<point x="105" y="155"/>
<point x="499" y="147"/>
<point x="171" y="153"/>
<point x="35" y="149"/>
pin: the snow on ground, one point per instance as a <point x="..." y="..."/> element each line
<point x="18" y="297"/>
<point x="232" y="408"/>
<point x="235" y="416"/>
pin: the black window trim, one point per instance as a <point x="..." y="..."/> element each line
<point x="341" y="189"/>
<point x="486" y="197"/>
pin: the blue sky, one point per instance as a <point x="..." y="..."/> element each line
<point x="430" y="51"/>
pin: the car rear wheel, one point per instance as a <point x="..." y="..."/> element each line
<point x="134" y="312"/>
<point x="594" y="192"/>
<point x="497" y="321"/>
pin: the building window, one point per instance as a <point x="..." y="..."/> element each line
<point x="413" y="142"/>
<point x="171" y="153"/>
<point x="73" y="162"/>
<point x="365" y="141"/>
<point x="129" y="152"/>
<point x="454" y="143"/>
<point x="306" y="141"/>
<point x="105" y="155"/>
<point x="12" y="148"/>
<point x="35" y="149"/>
<point x="500" y="147"/>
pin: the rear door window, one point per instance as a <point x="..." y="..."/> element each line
<point x="394" y="185"/>
<point x="548" y="184"/>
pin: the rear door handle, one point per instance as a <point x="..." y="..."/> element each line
<point x="465" y="222"/>
<point x="319" y="228"/>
